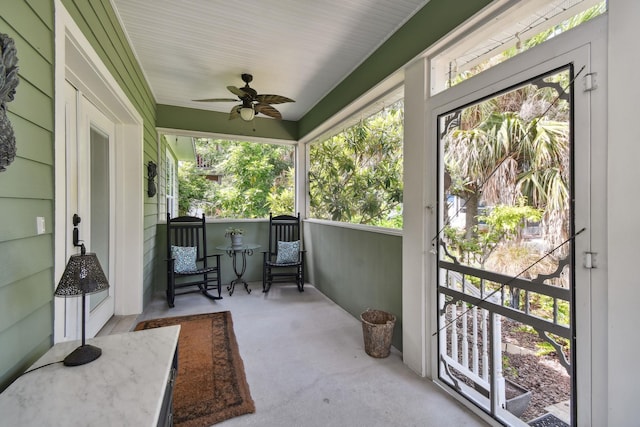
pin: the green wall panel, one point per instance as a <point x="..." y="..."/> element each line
<point x="44" y="10"/>
<point x="19" y="299"/>
<point x="31" y="27"/>
<point x="33" y="67"/>
<point x="27" y="179"/>
<point x="28" y="96"/>
<point x="18" y="218"/>
<point x="356" y="269"/>
<point x="26" y="191"/>
<point x="29" y="338"/>
<point x="32" y="142"/>
<point x="173" y="117"/>
<point x="24" y="257"/>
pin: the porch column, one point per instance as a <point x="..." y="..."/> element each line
<point x="415" y="298"/>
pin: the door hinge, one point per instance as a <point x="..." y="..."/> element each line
<point x="590" y="82"/>
<point x="590" y="260"/>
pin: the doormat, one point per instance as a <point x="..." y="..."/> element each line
<point x="548" y="420"/>
<point x="210" y="385"/>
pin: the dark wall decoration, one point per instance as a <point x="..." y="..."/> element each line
<point x="8" y="82"/>
<point x="151" y="175"/>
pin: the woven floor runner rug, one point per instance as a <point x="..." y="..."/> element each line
<point x="210" y="386"/>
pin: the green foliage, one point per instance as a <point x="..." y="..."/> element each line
<point x="191" y="185"/>
<point x="281" y="195"/>
<point x="542" y="306"/>
<point x="502" y="224"/>
<point x="508" y="368"/>
<point x="545" y="348"/>
<point x="513" y="146"/>
<point x="255" y="179"/>
<point x="356" y="176"/>
<point x="506" y="221"/>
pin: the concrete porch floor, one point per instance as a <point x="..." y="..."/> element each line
<point x="305" y="363"/>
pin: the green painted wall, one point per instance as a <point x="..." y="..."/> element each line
<point x="173" y="117"/>
<point x="356" y="269"/>
<point x="27" y="187"/>
<point x="26" y="192"/>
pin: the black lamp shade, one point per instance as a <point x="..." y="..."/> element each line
<point x="83" y="275"/>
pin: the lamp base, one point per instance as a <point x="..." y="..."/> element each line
<point x="81" y="355"/>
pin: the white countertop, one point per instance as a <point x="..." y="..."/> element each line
<point x="123" y="387"/>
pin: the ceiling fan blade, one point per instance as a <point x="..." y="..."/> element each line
<point x="273" y="99"/>
<point x="236" y="91"/>
<point x="268" y="110"/>
<point x="235" y="112"/>
<point x="216" y="100"/>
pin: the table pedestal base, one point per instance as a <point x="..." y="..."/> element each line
<point x="233" y="283"/>
<point x="239" y="270"/>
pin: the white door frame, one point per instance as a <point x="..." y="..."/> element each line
<point x="77" y="62"/>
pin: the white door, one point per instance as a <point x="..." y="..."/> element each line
<point x="90" y="194"/>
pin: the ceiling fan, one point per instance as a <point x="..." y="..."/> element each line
<point x="252" y="102"/>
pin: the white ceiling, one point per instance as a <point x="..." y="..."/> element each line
<point x="302" y="49"/>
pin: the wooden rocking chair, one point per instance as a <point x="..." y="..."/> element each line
<point x="187" y="257"/>
<point x="284" y="260"/>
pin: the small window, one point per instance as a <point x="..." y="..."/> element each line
<point x="510" y="33"/>
<point x="171" y="184"/>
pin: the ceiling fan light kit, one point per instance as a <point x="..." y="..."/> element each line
<point x="247" y="114"/>
<point x="252" y="102"/>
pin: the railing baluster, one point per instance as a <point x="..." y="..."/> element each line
<point x="497" y="380"/>
<point x="465" y="338"/>
<point x="443" y="335"/>
<point x="485" y="351"/>
<point x="474" y="313"/>
<point x="454" y="332"/>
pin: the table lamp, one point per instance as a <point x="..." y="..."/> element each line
<point x="83" y="275"/>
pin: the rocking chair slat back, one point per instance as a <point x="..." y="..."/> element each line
<point x="186" y="234"/>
